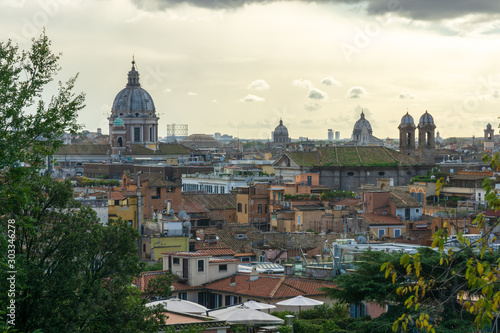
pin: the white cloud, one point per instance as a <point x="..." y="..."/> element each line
<point x="214" y="101"/>
<point x="168" y="90"/>
<point x="302" y="83"/>
<point x="406" y="94"/>
<point x="192" y="93"/>
<point x="330" y="81"/>
<point x="315" y="93"/>
<point x="312" y="106"/>
<point x="356" y="92"/>
<point x="251" y="98"/>
<point x="258" y="85"/>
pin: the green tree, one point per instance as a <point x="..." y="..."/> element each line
<point x="72" y="273"/>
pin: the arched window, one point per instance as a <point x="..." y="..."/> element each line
<point x="120" y="141"/>
<point x="408" y="138"/>
<point x="428" y="138"/>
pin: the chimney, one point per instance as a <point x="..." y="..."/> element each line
<point x="233" y="281"/>
<point x="254" y="275"/>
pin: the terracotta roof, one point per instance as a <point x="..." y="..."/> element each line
<point x="346" y="202"/>
<point x="218" y="252"/>
<point x="268" y="286"/>
<point x="374" y="219"/>
<point x="352" y="156"/>
<point x="117" y="196"/>
<point x="402" y="199"/>
<point x="211" y="201"/>
<point x="83" y="149"/>
<point x="248" y="254"/>
<point x="214" y="261"/>
<point x="158" y="182"/>
<point x="142" y="281"/>
<point x="181" y="286"/>
<point x="188" y="254"/>
<point x="163" y="149"/>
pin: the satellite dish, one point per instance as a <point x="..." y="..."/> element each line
<point x="252" y="244"/>
<point x="297" y="258"/>
<point x="171" y="212"/>
<point x="266" y="240"/>
<point x="260" y="243"/>
<point x="183" y="215"/>
<point x="361" y="239"/>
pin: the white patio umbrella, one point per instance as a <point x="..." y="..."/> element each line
<point x="300" y="301"/>
<point x="258" y="305"/>
<point x="179" y="305"/>
<point x="241" y="314"/>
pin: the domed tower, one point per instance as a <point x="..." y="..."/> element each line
<point x="426" y="139"/>
<point x="407" y="135"/>
<point x="489" y="138"/>
<point x="362" y="131"/>
<point x="135" y="107"/>
<point x="280" y="134"/>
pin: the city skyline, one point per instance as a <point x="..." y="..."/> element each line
<point x="237" y="67"/>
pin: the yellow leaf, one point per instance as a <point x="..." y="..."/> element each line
<point x="393" y="278"/>
<point x="441" y="261"/>
<point x="480" y="268"/>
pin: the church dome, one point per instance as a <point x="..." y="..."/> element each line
<point x="133" y="98"/>
<point x="407" y="119"/>
<point x="362" y="122"/>
<point x="281" y="129"/>
<point x="426" y="119"/>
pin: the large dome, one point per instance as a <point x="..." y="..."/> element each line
<point x="281" y="129"/>
<point x="407" y="119"/>
<point x="133" y="98"/>
<point x="200" y="141"/>
<point x="362" y="122"/>
<point x="426" y="119"/>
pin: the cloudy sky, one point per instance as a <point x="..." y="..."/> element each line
<point x="238" y="66"/>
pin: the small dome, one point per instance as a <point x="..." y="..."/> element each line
<point x="426" y="119"/>
<point x="407" y="119"/>
<point x="488" y="126"/>
<point x="362" y="122"/>
<point x="118" y="122"/>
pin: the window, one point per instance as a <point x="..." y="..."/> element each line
<point x="397" y="233"/>
<point x="381" y="173"/>
<point x="120" y="141"/>
<point x="417" y="210"/>
<point x="201" y="265"/>
<point x="259" y="209"/>
<point x="357" y="310"/>
<point x="239" y="208"/>
<point x="183" y="296"/>
<point x="381" y="232"/>
<point x="223" y="268"/>
<point x="350" y="173"/>
<point x="176" y="261"/>
<point x="245" y="208"/>
<point x="137" y="134"/>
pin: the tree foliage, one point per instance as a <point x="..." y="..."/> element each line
<point x="72" y="273"/>
<point x="471" y="273"/>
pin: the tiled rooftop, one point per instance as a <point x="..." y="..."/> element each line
<point x="374" y="219"/>
<point x="402" y="199"/>
<point x="211" y="201"/>
<point x="352" y="156"/>
<point x="268" y="286"/>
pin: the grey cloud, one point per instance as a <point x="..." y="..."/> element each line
<point x="317" y="94"/>
<point x="312" y="107"/>
<point x="356" y="92"/>
<point x="426" y="10"/>
<point x="406" y="94"/>
<point x="330" y="81"/>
